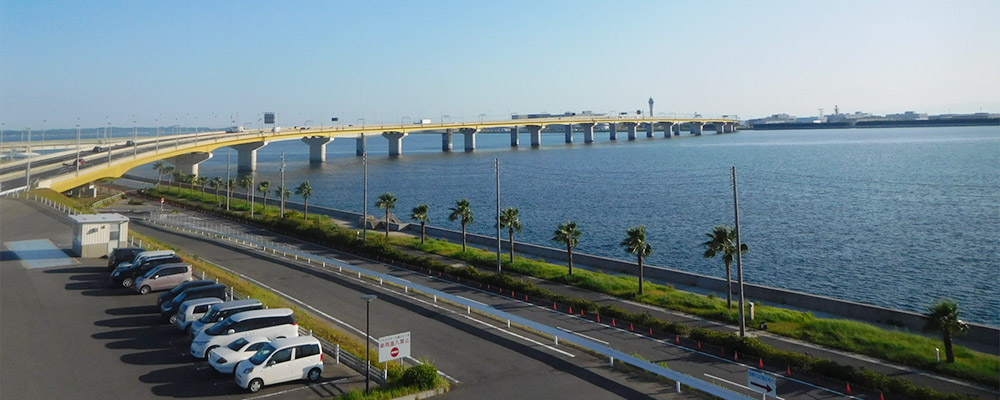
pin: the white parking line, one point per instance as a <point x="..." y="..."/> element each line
<point x="309" y="386"/>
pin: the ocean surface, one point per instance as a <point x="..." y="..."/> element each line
<point x="896" y="217"/>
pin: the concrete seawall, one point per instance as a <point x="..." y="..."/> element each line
<point x="988" y="337"/>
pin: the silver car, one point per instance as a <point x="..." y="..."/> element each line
<point x="163" y="277"/>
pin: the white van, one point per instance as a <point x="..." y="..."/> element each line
<point x="272" y="324"/>
<point x="221" y="311"/>
<point x="192" y="310"/>
<point x="141" y="257"/>
<point x="282" y="360"/>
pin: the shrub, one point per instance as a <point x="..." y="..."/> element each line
<point x="423" y="376"/>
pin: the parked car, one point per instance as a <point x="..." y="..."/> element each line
<point x="122" y="254"/>
<point x="168" y="310"/>
<point x="221" y="311"/>
<point x="224" y="359"/>
<point x="282" y="360"/>
<point x="189" y="311"/>
<point x="168" y="296"/>
<point x="139" y="258"/>
<point x="273" y="324"/>
<point x="126" y="277"/>
<point x="164" y="277"/>
<point x="100" y="149"/>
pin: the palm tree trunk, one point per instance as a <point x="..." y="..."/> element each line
<point x="265" y="201"/>
<point x="387" y="222"/>
<point x="423" y="232"/>
<point x="641" y="277"/>
<point x="511" y="236"/>
<point x="306" y="215"/>
<point x="463" y="238"/>
<point x="569" y="252"/>
<point x="949" y="352"/>
<point x="729" y="283"/>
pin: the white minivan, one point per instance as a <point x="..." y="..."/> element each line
<point x="273" y="324"/>
<point x="192" y="310"/>
<point x="282" y="360"/>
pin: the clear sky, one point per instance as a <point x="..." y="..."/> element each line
<point x="185" y="61"/>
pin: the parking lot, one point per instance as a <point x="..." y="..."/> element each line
<point x="67" y="333"/>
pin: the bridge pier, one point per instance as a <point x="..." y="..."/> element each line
<point x="362" y="145"/>
<point x="631" y="127"/>
<point x="246" y="155"/>
<point x="668" y="127"/>
<point x="719" y="126"/>
<point x="470" y="138"/>
<point x="317" y="148"/>
<point x="536" y="134"/>
<point x="729" y="127"/>
<point x="513" y="137"/>
<point x="588" y="132"/>
<point x="188" y="163"/>
<point x="395" y="142"/>
<point x="569" y="133"/>
<point x="677" y="129"/>
<point x="446" y="142"/>
<point x="612" y="131"/>
<point x="649" y="130"/>
<point x="696" y="128"/>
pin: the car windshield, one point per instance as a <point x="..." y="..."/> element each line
<point x="262" y="354"/>
<point x="219" y="328"/>
<point x="149" y="273"/>
<point x="210" y="316"/>
<point x="237" y="344"/>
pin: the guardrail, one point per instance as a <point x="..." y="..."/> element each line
<point x="201" y="227"/>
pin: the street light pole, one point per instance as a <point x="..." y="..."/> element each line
<point x="368" y="314"/>
<point x="499" y="251"/>
<point x="229" y="189"/>
<point x="78" y="146"/>
<point x="27" y="174"/>
<point x="739" y="256"/>
<point x="364" y="206"/>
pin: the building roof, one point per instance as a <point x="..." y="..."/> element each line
<point x="98" y="218"/>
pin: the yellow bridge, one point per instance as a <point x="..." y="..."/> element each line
<point x="185" y="152"/>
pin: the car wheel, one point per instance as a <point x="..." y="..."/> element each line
<point x="209" y="351"/>
<point x="144" y="290"/>
<point x="255" y="385"/>
<point x="314" y="374"/>
<point x="127" y="282"/>
<point x="173" y="319"/>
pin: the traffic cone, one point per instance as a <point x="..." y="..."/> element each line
<point x="554" y="306"/>
<point x="678" y="339"/>
<point x="581" y="313"/>
<point x="788" y="372"/>
<point x="699" y="345"/>
<point x="762" y="363"/>
<point x="881" y="396"/>
<point x="848" y="388"/>
<point x="613" y="323"/>
<point x="570" y="309"/>
<point x="736" y="356"/>
<point x="650" y="332"/>
<point x="631" y="327"/>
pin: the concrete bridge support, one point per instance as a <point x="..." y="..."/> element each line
<point x="395" y="142"/>
<point x="649" y="129"/>
<point x="719" y="128"/>
<point x="513" y="137"/>
<point x="446" y="141"/>
<point x="588" y="132"/>
<point x="536" y="134"/>
<point x="632" y="128"/>
<point x="317" y="148"/>
<point x="668" y="127"/>
<point x="362" y="145"/>
<point x="188" y="163"/>
<point x="677" y="129"/>
<point x="729" y="127"/>
<point x="696" y="128"/>
<point x="612" y="131"/>
<point x="569" y="133"/>
<point x="470" y="138"/>
<point x="247" y="156"/>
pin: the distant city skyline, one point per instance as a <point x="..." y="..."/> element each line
<point x="198" y="64"/>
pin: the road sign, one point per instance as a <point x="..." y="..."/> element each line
<point x="394" y="347"/>
<point x="762" y="382"/>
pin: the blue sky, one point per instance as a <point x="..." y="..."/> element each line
<point x="183" y="62"/>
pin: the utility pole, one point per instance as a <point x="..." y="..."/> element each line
<point x="364" y="206"/>
<point x="499" y="263"/>
<point x="282" y="195"/>
<point x="739" y="256"/>
<point x="27" y="174"/>
<point x="78" y="146"/>
<point x="229" y="188"/>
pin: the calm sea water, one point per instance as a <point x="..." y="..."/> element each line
<point x="892" y="217"/>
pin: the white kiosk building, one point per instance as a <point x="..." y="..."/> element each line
<point x="96" y="235"/>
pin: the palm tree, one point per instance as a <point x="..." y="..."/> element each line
<point x="387" y="202"/>
<point x="306" y="191"/>
<point x="230" y="184"/>
<point x="569" y="235"/>
<point x="282" y="194"/>
<point x="635" y="243"/>
<point x="158" y="167"/>
<point x="263" y="187"/>
<point x="169" y="171"/>
<point x="509" y="219"/>
<point x="420" y="214"/>
<point x="462" y="210"/>
<point x="942" y="317"/>
<point x="246" y="182"/>
<point x="722" y="240"/>
<point x="200" y="181"/>
<point x="216" y="184"/>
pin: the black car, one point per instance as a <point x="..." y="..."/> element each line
<point x="168" y="310"/>
<point x="168" y="296"/>
<point x="100" y="149"/>
<point x="123" y="254"/>
<point x="125" y="277"/>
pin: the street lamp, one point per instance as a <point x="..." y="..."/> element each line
<point x="368" y="313"/>
<point x="78" y="146"/>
